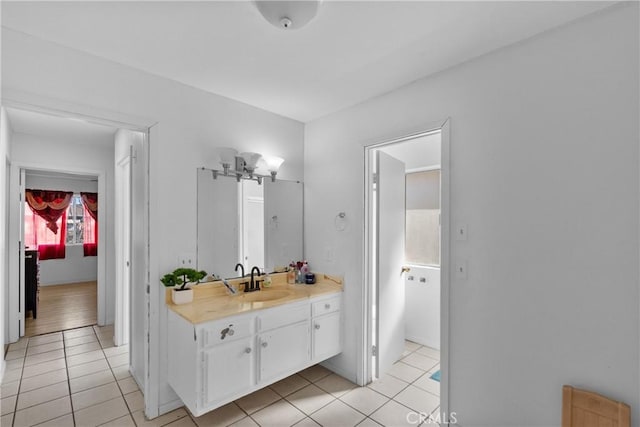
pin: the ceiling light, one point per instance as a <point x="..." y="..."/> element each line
<point x="288" y="15"/>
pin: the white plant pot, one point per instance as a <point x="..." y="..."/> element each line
<point x="182" y="297"/>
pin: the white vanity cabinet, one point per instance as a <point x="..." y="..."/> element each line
<point x="283" y="341"/>
<point x="227" y="369"/>
<point x="216" y="362"/>
<point x="326" y="328"/>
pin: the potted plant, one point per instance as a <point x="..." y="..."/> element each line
<point x="180" y="280"/>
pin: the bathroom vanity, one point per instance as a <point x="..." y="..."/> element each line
<point x="222" y="347"/>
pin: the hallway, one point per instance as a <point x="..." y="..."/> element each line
<point x="62" y="307"/>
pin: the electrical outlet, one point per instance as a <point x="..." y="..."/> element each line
<point x="187" y="260"/>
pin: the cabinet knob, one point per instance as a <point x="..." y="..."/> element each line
<point x="247" y="350"/>
<point x="264" y="344"/>
<point x="317" y="326"/>
<point x="327" y="306"/>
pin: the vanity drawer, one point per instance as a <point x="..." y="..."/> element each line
<point x="226" y="330"/>
<point x="282" y="317"/>
<point x="325" y="306"/>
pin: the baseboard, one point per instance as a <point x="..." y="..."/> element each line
<point x="171" y="406"/>
<point x="423" y="341"/>
<point x="76" y="281"/>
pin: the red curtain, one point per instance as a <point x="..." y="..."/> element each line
<point x="90" y="233"/>
<point x="51" y="207"/>
<point x="55" y="251"/>
<point x="38" y="235"/>
<point x="90" y="201"/>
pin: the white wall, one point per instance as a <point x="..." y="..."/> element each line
<point x="75" y="267"/>
<point x="422" y="306"/>
<point x="71" y="155"/>
<point x="5" y="155"/>
<point x="191" y="124"/>
<point x="544" y="172"/>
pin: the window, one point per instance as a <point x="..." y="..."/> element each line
<point x="76" y="226"/>
<point x="422" y="224"/>
<point x="75" y="221"/>
<point x="80" y="224"/>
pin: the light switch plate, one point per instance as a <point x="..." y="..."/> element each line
<point x="328" y="253"/>
<point x="461" y="232"/>
<point x="461" y="269"/>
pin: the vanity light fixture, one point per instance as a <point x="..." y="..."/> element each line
<point x="227" y="158"/>
<point x="244" y="165"/>
<point x="273" y="165"/>
<point x="250" y="162"/>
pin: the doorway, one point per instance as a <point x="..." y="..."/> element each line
<point x="60" y="257"/>
<point x="252" y="224"/>
<point x="78" y="153"/>
<point x="141" y="362"/>
<point x="406" y="229"/>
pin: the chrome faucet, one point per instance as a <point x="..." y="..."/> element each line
<point x="241" y="268"/>
<point x="255" y="284"/>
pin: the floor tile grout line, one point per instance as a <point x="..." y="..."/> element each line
<point x="15" y="405"/>
<point x="316" y="410"/>
<point x="73" y="412"/>
<point x="110" y="369"/>
<point x="66" y="369"/>
<point x="353" y="407"/>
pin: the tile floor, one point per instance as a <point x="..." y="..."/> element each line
<point x="78" y="377"/>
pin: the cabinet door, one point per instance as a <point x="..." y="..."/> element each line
<point x="283" y="350"/>
<point x="227" y="369"/>
<point x="326" y="336"/>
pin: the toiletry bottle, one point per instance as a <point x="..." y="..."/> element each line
<point x="267" y="281"/>
<point x="305" y="267"/>
<point x="299" y="274"/>
<point x="291" y="274"/>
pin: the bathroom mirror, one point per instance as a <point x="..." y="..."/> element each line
<point x="248" y="223"/>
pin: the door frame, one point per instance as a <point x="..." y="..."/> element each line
<point x="122" y="219"/>
<point x="445" y="254"/>
<point x="16" y="284"/>
<point x="18" y="99"/>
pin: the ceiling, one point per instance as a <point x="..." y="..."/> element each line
<point x="417" y="153"/>
<point x="58" y="128"/>
<point x="350" y="52"/>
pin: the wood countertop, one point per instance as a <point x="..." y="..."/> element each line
<point x="211" y="301"/>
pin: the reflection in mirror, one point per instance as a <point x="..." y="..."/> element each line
<point x="217" y="224"/>
<point x="248" y="223"/>
<point x="252" y="229"/>
<point x="283" y="223"/>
